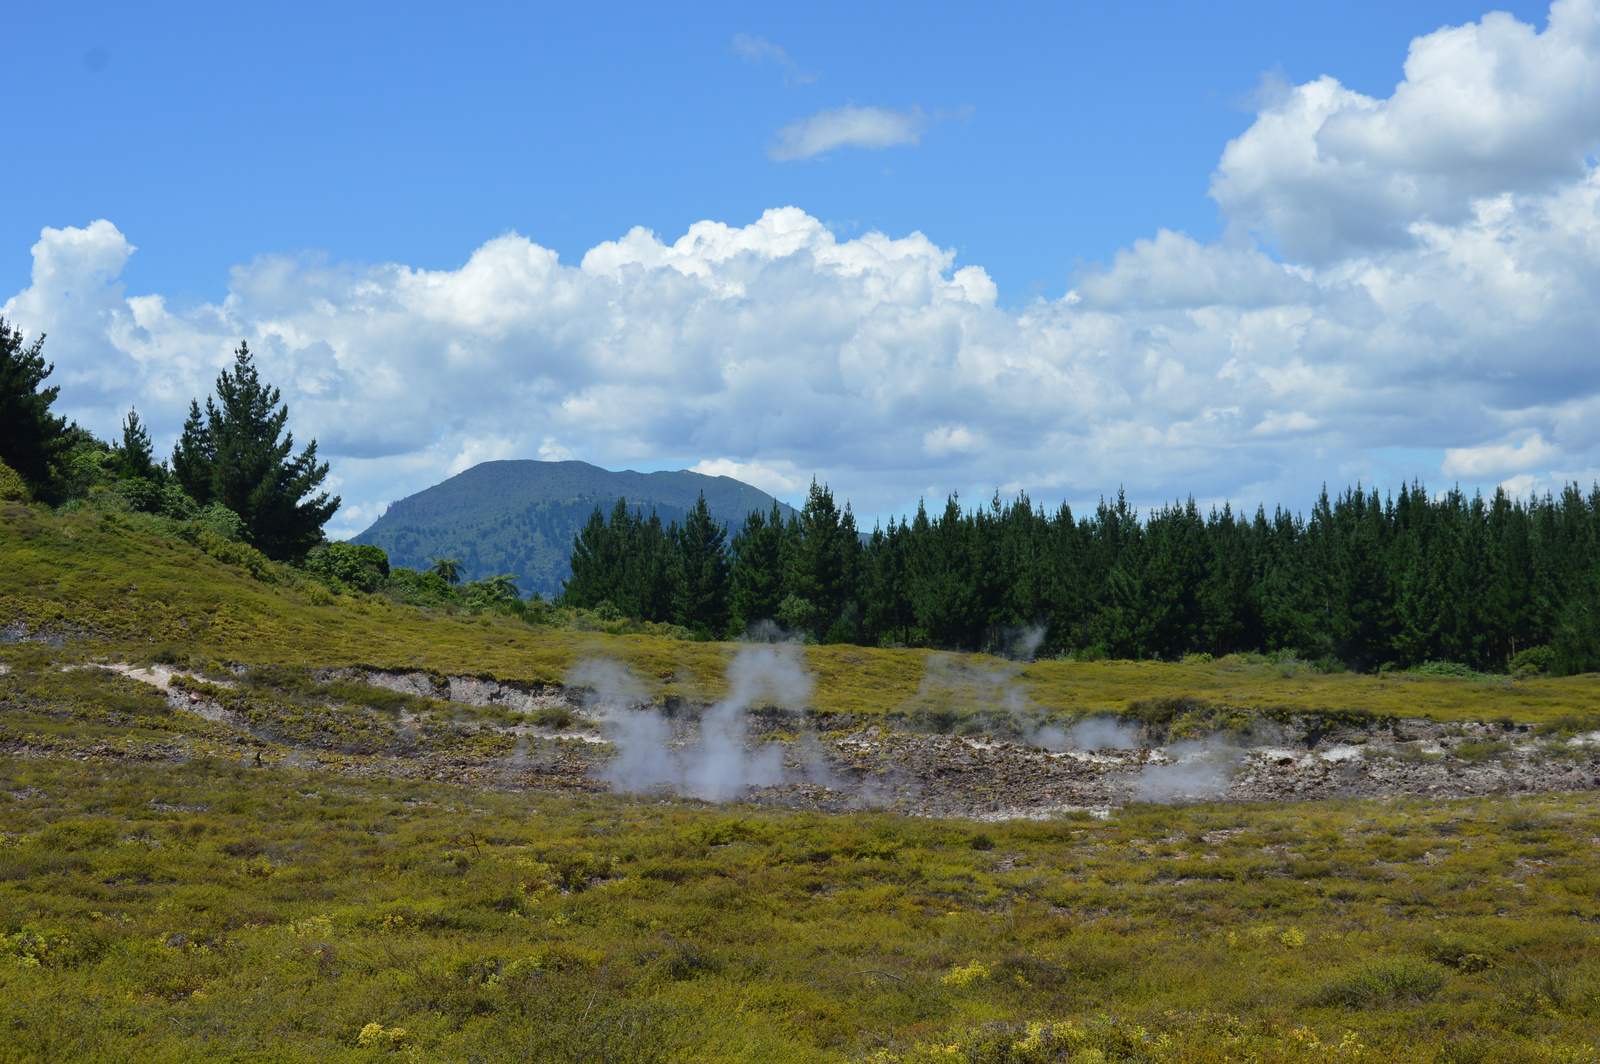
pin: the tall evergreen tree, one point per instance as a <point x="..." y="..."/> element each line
<point x="886" y="586"/>
<point x="823" y="560"/>
<point x="756" y="574"/>
<point x="31" y="438"/>
<point x="195" y="455"/>
<point x="944" y="591"/>
<point x="136" y="456"/>
<point x="1362" y="582"/>
<point x="1171" y="613"/>
<point x="597" y="560"/>
<point x="701" y="576"/>
<point x="240" y="456"/>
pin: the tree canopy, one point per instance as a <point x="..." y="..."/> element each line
<point x="136" y="456"/>
<point x="31" y="438"/>
<point x="239" y="455"/>
<point x="447" y="569"/>
<point x="1359" y="582"/>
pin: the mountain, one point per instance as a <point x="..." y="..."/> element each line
<point x="520" y="516"/>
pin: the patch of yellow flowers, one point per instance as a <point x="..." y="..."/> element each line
<point x="377" y="1036"/>
<point x="960" y="977"/>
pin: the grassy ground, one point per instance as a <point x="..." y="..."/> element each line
<point x="163" y="900"/>
<point x="112" y="587"/>
<point x="213" y="911"/>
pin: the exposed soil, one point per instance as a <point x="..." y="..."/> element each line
<point x="979" y="777"/>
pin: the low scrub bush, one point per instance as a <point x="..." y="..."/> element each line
<point x="1383" y="982"/>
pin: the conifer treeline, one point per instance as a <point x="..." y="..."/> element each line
<point x="1359" y="583"/>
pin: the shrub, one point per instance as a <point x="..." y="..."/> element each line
<point x="1534" y="659"/>
<point x="960" y="976"/>
<point x="141" y="493"/>
<point x="1463" y="954"/>
<point x="361" y="566"/>
<point x="1446" y="668"/>
<point x="232" y="552"/>
<point x="12" y="487"/>
<point x="1477" y="753"/>
<point x="420" y="589"/>
<point x="1382" y="982"/>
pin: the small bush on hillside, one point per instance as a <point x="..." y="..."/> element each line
<point x="1383" y="982"/>
<point x="1446" y="668"/>
<point x="361" y="566"/>
<point x="1534" y="659"/>
<point x="12" y="487"/>
<point x="420" y="589"/>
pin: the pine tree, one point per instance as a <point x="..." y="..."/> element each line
<point x="649" y="587"/>
<point x="701" y="572"/>
<point x="943" y="583"/>
<point x="755" y="576"/>
<point x="823" y="561"/>
<point x="1171" y="615"/>
<point x="597" y="560"/>
<point x="240" y="457"/>
<point x="195" y="456"/>
<point x="886" y="586"/>
<point x="31" y="438"/>
<point x="136" y="456"/>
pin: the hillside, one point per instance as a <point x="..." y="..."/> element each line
<point x="108" y="586"/>
<point x="520" y="516"/>
<point x="246" y="819"/>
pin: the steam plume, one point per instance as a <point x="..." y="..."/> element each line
<point x="718" y="766"/>
<point x="1197" y="771"/>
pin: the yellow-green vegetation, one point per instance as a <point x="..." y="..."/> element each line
<point x="12" y="487"/>
<point x="213" y="911"/>
<point x="164" y="897"/>
<point x="111" y="584"/>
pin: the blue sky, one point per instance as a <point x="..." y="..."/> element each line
<point x="213" y="133"/>
<point x="274" y="165"/>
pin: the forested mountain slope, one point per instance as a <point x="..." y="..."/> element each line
<point x="520" y="516"/>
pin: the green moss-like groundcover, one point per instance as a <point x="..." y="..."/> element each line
<point x="192" y="907"/>
<point x="214" y="911"/>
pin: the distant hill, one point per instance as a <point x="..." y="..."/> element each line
<point x="520" y="516"/>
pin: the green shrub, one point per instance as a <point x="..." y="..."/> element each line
<point x="232" y="552"/>
<point x="1382" y="982"/>
<point x="1465" y="955"/>
<point x="361" y="566"/>
<point x="1446" y="668"/>
<point x="420" y="589"/>
<point x="1477" y="753"/>
<point x="221" y="522"/>
<point x="12" y="487"/>
<point x="1534" y="659"/>
<point x="141" y="493"/>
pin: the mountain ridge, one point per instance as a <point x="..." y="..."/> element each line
<point x="520" y="515"/>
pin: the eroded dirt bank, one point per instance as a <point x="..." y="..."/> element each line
<point x="829" y="763"/>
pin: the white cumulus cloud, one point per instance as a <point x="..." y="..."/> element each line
<point x="1499" y="459"/>
<point x="950" y="439"/>
<point x="778" y="479"/>
<point x="1486" y="108"/>
<point x="1411" y="275"/>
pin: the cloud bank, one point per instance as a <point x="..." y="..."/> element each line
<point x="1414" y="276"/>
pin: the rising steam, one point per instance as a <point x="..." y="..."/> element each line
<point x="718" y="766"/>
<point x="1091" y="733"/>
<point x="1197" y="771"/>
